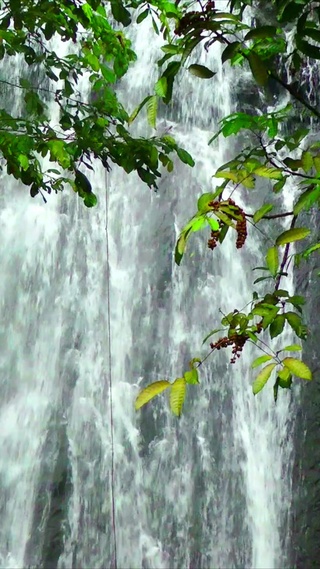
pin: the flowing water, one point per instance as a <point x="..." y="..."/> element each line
<point x="211" y="490"/>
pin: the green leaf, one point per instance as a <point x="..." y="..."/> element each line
<point x="292" y="348"/>
<point x="82" y="183"/>
<point x="291" y="12"/>
<point x="230" y="51"/>
<point x="276" y="327"/>
<point x="223" y="232"/>
<point x="142" y="16"/>
<point x="23" y="161"/>
<point x="194" y="361"/>
<point x="268" y="172"/>
<point x="211" y="334"/>
<point x="275" y="391"/>
<point x="161" y="87"/>
<point x="272" y="260"/>
<point x="203" y="202"/>
<point x="310" y="250"/>
<point x="284" y="378"/>
<point x="138" y="109"/>
<point x="90" y="200"/>
<point x="261" y="360"/>
<point x="297" y="300"/>
<point x="214" y="224"/>
<point x="258" y="68"/>
<point x="201" y="71"/>
<point x="260" y="213"/>
<point x="292" y="235"/>
<point x="191" y="376"/>
<point x="298" y="368"/>
<point x="294" y="320"/>
<point x="307" y="199"/>
<point x="262" y="378"/>
<point x="120" y="13"/>
<point x="261" y="33"/>
<point x="279" y="185"/>
<point x="152" y="106"/>
<point x="199" y="223"/>
<point x="181" y="245"/>
<point x="307" y="161"/>
<point x="151" y="391"/>
<point x="260" y="279"/>
<point x="185" y="157"/>
<point x="177" y="396"/>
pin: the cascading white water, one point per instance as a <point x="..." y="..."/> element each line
<point x="209" y="490"/>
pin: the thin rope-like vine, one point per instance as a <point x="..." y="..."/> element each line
<point x="113" y="507"/>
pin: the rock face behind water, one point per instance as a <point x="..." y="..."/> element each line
<point x="306" y="482"/>
<point x="50" y="513"/>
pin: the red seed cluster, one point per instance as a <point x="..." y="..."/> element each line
<point x="212" y="242"/>
<point x="241" y="229"/>
<point x="237" y="341"/>
<point x="210" y="5"/>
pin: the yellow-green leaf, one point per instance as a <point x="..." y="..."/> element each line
<point x="191" y="376"/>
<point x="292" y="348"/>
<point x="194" y="361"/>
<point x="260" y="213"/>
<point x="307" y="199"/>
<point x="152" y="106"/>
<point x="161" y="87"/>
<point x="260" y="360"/>
<point x="151" y="391"/>
<point x="272" y="260"/>
<point x="307" y="161"/>
<point x="316" y="162"/>
<point x="292" y="235"/>
<point x="268" y="172"/>
<point x="262" y="378"/>
<point x="177" y="395"/>
<point x="298" y="368"/>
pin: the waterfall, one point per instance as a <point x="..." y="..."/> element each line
<point x="211" y="490"/>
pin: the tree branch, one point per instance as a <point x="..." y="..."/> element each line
<point x="275" y="216"/>
<point x="285" y="257"/>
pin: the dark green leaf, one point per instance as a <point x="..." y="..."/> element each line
<point x="294" y="320"/>
<point x="142" y="16"/>
<point x="230" y="51"/>
<point x="277" y="326"/>
<point x="120" y="13"/>
<point x="201" y="71"/>
<point x="258" y="68"/>
<point x="261" y="33"/>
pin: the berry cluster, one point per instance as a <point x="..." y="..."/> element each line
<point x="241" y="229"/>
<point x="236" y="340"/>
<point x="212" y="242"/>
<point x="210" y="5"/>
<point x="187" y="22"/>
